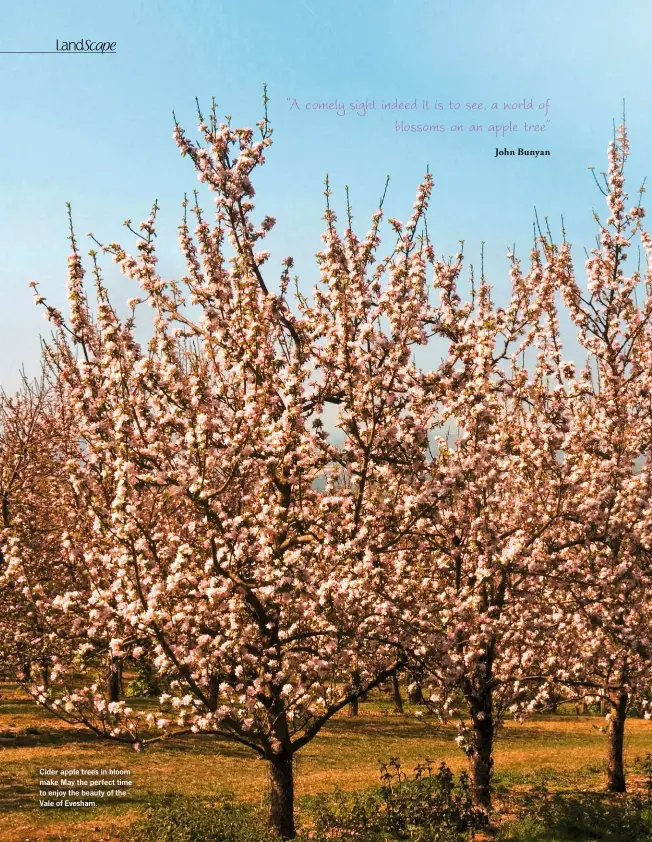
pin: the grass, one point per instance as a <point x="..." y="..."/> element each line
<point x="557" y="752"/>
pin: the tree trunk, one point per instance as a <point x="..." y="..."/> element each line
<point x="213" y="692"/>
<point x="354" y="704"/>
<point x="115" y="679"/>
<point x="45" y="665"/>
<point x="415" y="696"/>
<point x="281" y="806"/>
<point x="27" y="670"/>
<point x="396" y="693"/>
<point x="616" y="733"/>
<point x="480" y="752"/>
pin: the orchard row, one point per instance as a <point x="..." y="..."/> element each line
<point x="274" y="507"/>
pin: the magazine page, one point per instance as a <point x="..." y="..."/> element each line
<point x="325" y="421"/>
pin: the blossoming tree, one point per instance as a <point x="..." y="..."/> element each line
<point x="39" y="508"/>
<point x="475" y="560"/>
<point x="602" y="555"/>
<point x="218" y="524"/>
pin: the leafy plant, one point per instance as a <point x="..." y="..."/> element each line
<point x="429" y="807"/>
<point x="646" y="768"/>
<point x="193" y="820"/>
<point x="348" y="816"/>
<point x="584" y="816"/>
<point x="146" y="682"/>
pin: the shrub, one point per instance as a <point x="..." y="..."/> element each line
<point x="430" y="807"/>
<point x="646" y="768"/>
<point x="146" y="683"/>
<point x="193" y="820"/>
<point x="591" y="817"/>
<point x="348" y="816"/>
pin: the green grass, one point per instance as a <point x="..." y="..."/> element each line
<point x="557" y="752"/>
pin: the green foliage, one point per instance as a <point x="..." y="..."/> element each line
<point x="146" y="683"/>
<point x="589" y="817"/>
<point x="348" y="816"/>
<point x="644" y="765"/>
<point x="430" y="807"/>
<point x="193" y="820"/>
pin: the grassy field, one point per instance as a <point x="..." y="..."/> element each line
<point x="561" y="752"/>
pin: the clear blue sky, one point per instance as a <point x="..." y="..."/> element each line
<point x="97" y="130"/>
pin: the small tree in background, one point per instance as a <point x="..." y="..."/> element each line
<point x="473" y="562"/>
<point x="41" y="511"/>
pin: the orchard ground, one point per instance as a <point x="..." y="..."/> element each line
<point x="563" y="752"/>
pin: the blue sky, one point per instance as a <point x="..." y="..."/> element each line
<point x="96" y="130"/>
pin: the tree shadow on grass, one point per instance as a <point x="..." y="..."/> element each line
<point x="15" y="795"/>
<point x="396" y="728"/>
<point x="51" y="737"/>
<point x="539" y="735"/>
<point x="206" y="745"/>
<point x="24" y="707"/>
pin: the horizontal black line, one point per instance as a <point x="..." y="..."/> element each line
<point x="57" y="52"/>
